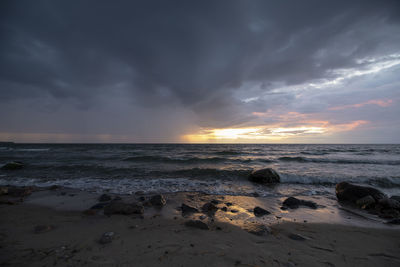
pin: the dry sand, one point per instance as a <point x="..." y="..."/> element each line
<point x="160" y="237"/>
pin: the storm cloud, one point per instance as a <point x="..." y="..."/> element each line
<point x="150" y="71"/>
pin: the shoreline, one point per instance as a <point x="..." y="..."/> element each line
<point x="53" y="227"/>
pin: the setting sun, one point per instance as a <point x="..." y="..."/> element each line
<point x="248" y="134"/>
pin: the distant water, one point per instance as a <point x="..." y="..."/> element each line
<point x="216" y="169"/>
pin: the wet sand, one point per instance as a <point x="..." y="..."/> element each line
<point x="327" y="236"/>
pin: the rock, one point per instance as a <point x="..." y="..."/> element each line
<point x="99" y="206"/>
<point x="19" y="191"/>
<point x="365" y="202"/>
<point x="158" y="200"/>
<point x="260" y="212"/>
<point x="42" y="229"/>
<point x="11" y="166"/>
<point x="197" y="224"/>
<point x="264" y="176"/>
<point x="389" y="213"/>
<point x="123" y="208"/>
<point x="297" y="237"/>
<point x="186" y="209"/>
<point x="54" y="187"/>
<point x="228" y="204"/>
<point x="349" y="192"/>
<point x="394" y="221"/>
<point x="389" y="203"/>
<point x="90" y="212"/>
<point x="225" y="209"/>
<point x="8" y="202"/>
<point x="106" y="238"/>
<point x="395" y="198"/>
<point x="294" y="203"/>
<point x="215" y="202"/>
<point x="256" y="229"/>
<point x="209" y="208"/>
<point x="234" y="211"/>
<point x="3" y="190"/>
<point x="104" y="198"/>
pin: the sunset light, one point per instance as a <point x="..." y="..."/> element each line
<point x="260" y="134"/>
<point x="200" y="133"/>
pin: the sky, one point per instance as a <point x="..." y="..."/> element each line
<point x="205" y="71"/>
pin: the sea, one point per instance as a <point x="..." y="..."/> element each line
<point x="220" y="169"/>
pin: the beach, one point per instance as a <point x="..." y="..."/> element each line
<point x="56" y="227"/>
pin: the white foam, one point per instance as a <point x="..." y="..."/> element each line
<point x="130" y="186"/>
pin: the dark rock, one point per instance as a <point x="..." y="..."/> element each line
<point x="228" y="204"/>
<point x="389" y="213"/>
<point x="43" y="229"/>
<point x="106" y="238"/>
<point x="294" y="203"/>
<point x="283" y="208"/>
<point x="395" y="198"/>
<point x="19" y="191"/>
<point x="104" y="198"/>
<point x="99" y="206"/>
<point x="3" y="190"/>
<point x="297" y="237"/>
<point x="260" y="212"/>
<point x="158" y="200"/>
<point x="224" y="209"/>
<point x="349" y="192"/>
<point x="255" y="194"/>
<point x="11" y="166"/>
<point x="90" y="212"/>
<point x="9" y="201"/>
<point x="186" y="209"/>
<point x="234" y="211"/>
<point x="394" y="221"/>
<point x="389" y="203"/>
<point x="54" y="187"/>
<point x="256" y="229"/>
<point x="365" y="202"/>
<point x="209" y="208"/>
<point x="142" y="198"/>
<point x="265" y="176"/>
<point x="215" y="202"/>
<point x="197" y="224"/>
<point x="123" y="208"/>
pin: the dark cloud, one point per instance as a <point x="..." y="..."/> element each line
<point x="195" y="55"/>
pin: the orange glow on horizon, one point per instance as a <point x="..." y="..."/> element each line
<point x="270" y="133"/>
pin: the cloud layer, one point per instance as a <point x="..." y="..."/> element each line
<point x="152" y="71"/>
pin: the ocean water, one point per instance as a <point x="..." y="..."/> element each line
<point x="209" y="168"/>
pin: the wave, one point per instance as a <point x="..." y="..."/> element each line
<point x="339" y="161"/>
<point x="317" y="153"/>
<point x="331" y="181"/>
<point x="173" y="160"/>
<point x="191" y="160"/>
<point x="207" y="173"/>
<point x="32" y="149"/>
<point x="228" y="153"/>
<point x="148" y="186"/>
